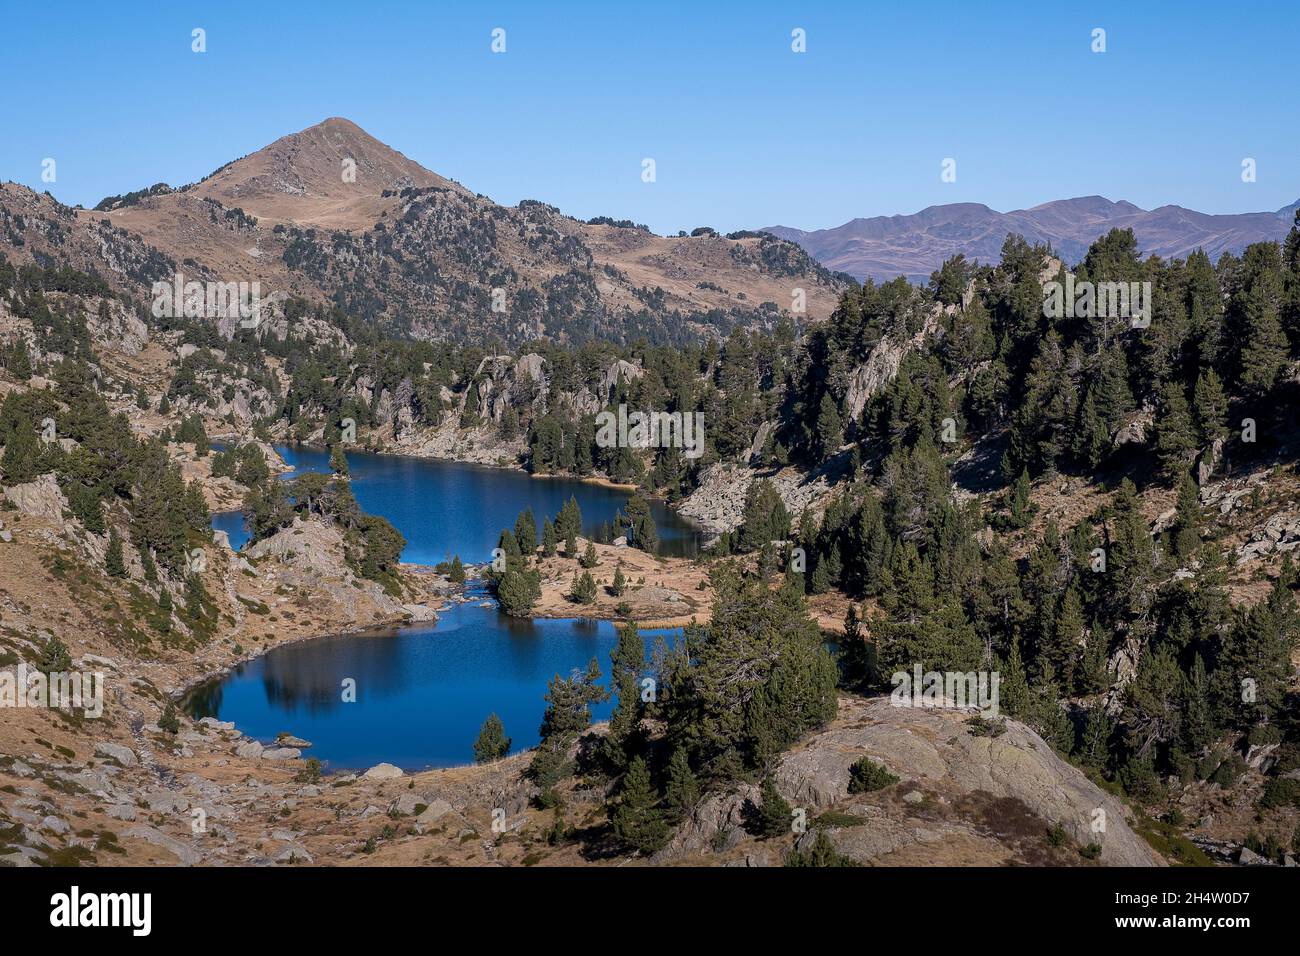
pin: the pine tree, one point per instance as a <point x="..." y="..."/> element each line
<point x="857" y="654"/>
<point x="549" y="541"/>
<point x="20" y="458"/>
<point x="456" y="571"/>
<point x="830" y="428"/>
<point x="773" y="813"/>
<point x="1264" y="343"/>
<point x="583" y="590"/>
<point x="821" y="854"/>
<point x="1210" y="408"/>
<point x="492" y="743"/>
<point x="637" y="820"/>
<point x="624" y="739"/>
<point x="20" y="360"/>
<point x="1013" y="690"/>
<point x="1187" y="521"/>
<point x="1094" y="750"/>
<point x="683" y="791"/>
<point x="568" y="524"/>
<point x="114" y="560"/>
<point x="169" y="722"/>
<point x="1198" y="724"/>
<point x="55" y="657"/>
<point x="619" y="585"/>
<point x="589" y="557"/>
<point x="1048" y="718"/>
<point x="518" y="591"/>
<point x="526" y="532"/>
<point x="338" y="461"/>
<point x="1094" y="676"/>
<point x="1175" y="433"/>
<point x="568" y="713"/>
<point x="1063" y="655"/>
<point x="1021" y="507"/>
<point x="1091" y="439"/>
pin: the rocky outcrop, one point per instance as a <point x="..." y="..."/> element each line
<point x="718" y="504"/>
<point x="1278" y="535"/>
<point x="935" y="753"/>
<point x="118" y="327"/>
<point x="41" y="498"/>
<point x="307" y="545"/>
<point x="881" y="366"/>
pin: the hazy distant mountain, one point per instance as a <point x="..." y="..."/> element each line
<point x="331" y="214"/>
<point x="884" y="247"/>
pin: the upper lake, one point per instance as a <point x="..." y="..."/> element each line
<point x="445" y="508"/>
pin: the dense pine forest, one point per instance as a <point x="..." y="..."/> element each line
<point x="1127" y="650"/>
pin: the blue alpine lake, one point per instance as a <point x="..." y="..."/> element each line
<point x="423" y="691"/>
<point x="446" y="508"/>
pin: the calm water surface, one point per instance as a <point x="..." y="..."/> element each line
<point x="424" y="690"/>
<point x="447" y="508"/>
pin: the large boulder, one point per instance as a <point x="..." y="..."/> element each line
<point x="41" y="498"/>
<point x="936" y="750"/>
<point x="118" y="752"/>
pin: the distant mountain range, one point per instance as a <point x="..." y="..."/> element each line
<point x="884" y="247"/>
<point x="332" y="215"/>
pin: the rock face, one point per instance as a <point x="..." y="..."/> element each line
<point x="882" y="365"/>
<point x="1279" y="534"/>
<point x="973" y="783"/>
<point x="718" y="504"/>
<point x="41" y="498"/>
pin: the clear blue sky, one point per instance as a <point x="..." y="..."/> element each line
<point x="744" y="132"/>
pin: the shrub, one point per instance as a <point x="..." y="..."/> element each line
<point x="867" y="776"/>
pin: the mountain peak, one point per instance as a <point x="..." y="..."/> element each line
<point x="333" y="174"/>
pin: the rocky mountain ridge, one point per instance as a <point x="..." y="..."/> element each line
<point x="884" y="247"/>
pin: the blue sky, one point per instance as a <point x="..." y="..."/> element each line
<point x="744" y="132"/>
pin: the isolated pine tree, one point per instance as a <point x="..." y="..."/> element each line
<point x="589" y="558"/>
<point x="169" y="722"/>
<point x="619" y="584"/>
<point x="518" y="591"/>
<point x="492" y="743"/>
<point x="114" y="560"/>
<point x="821" y="854"/>
<point x="773" y="813"/>
<point x="583" y="590"/>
